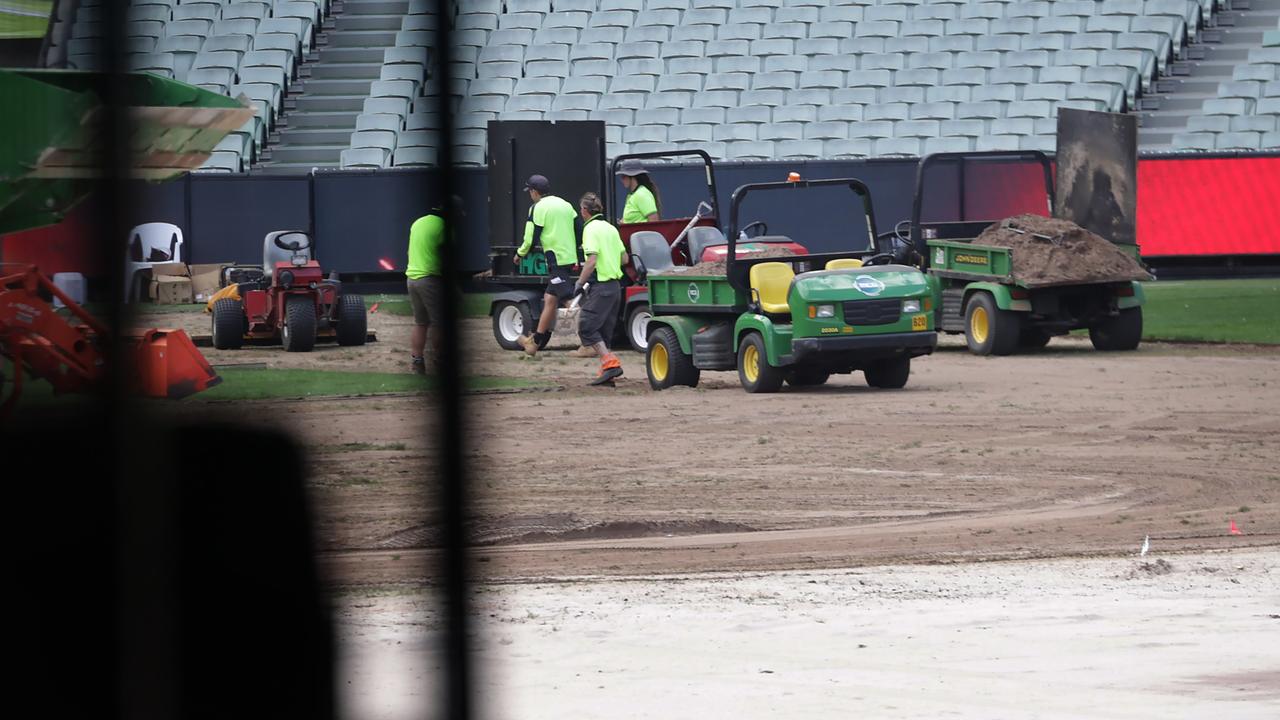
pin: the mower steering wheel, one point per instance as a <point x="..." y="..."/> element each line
<point x="878" y="259"/>
<point x="764" y="228"/>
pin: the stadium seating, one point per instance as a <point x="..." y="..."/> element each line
<point x="1245" y="115"/>
<point x="741" y="79"/>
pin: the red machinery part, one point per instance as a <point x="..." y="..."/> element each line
<point x="69" y="351"/>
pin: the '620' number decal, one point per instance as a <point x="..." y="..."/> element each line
<point x="919" y="322"/>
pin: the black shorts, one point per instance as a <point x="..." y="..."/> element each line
<point x="599" y="314"/>
<point x="559" y="282"/>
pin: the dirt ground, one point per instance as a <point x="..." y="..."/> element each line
<point x="1063" y="452"/>
<point x="708" y="553"/>
<point x="1165" y="636"/>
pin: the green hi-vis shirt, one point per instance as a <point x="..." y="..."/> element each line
<point x="555" y="217"/>
<point x="640" y="205"/>
<point x="601" y="239"/>
<point x="425" y="235"/>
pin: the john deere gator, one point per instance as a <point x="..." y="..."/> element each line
<point x="797" y="318"/>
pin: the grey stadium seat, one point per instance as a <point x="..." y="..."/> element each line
<point x="363" y="158"/>
<point x="858" y="147"/>
<point x="1193" y="141"/>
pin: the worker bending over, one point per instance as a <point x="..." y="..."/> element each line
<point x="642" y="194"/>
<point x="550" y="224"/>
<point x="600" y="286"/>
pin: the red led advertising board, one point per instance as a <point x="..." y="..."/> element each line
<point x="1209" y="206"/>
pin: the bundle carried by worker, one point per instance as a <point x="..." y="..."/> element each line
<point x="1048" y="251"/>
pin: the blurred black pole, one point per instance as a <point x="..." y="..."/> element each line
<point x="453" y="502"/>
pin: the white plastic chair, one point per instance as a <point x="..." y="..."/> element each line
<point x="152" y="244"/>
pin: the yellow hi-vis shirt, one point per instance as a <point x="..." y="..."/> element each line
<point x="555" y="216"/>
<point x="601" y="239"/>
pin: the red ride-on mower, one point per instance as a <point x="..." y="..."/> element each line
<point x="294" y="302"/>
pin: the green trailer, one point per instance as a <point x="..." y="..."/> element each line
<point x="796" y="319"/>
<point x="977" y="293"/>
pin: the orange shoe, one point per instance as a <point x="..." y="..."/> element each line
<point x="610" y="369"/>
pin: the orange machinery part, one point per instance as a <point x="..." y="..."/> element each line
<point x="71" y="355"/>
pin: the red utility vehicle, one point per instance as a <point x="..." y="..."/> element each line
<point x="293" y="303"/>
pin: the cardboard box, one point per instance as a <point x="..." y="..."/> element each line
<point x="171" y="290"/>
<point x="173" y="268"/>
<point x="205" y="281"/>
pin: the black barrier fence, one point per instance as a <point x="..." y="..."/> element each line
<point x="360" y="219"/>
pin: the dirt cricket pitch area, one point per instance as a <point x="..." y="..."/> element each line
<point x="708" y="553"/>
<point x="1062" y="452"/>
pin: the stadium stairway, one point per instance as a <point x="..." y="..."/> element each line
<point x="319" y="123"/>
<point x="1221" y="47"/>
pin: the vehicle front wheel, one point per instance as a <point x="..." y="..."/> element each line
<point x="889" y="374"/>
<point x="353" y="320"/>
<point x="510" y="321"/>
<point x="754" y="371"/>
<point x="299" y="331"/>
<point x="1122" y="332"/>
<point x="666" y="364"/>
<point x="228" y="324"/>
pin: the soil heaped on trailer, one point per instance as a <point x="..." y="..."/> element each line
<point x="1070" y="256"/>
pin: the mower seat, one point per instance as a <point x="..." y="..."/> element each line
<point x="652" y="249"/>
<point x="770" y="283"/>
<point x="844" y="264"/>
<point x="280" y="247"/>
<point x="700" y="238"/>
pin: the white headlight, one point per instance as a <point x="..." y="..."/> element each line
<point x="826" y="311"/>
<point x="910" y="306"/>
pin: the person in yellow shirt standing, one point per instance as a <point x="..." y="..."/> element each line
<point x="551" y="224"/>
<point x="425" y="285"/>
<point x="643" y="204"/>
<point x="600" y="286"/>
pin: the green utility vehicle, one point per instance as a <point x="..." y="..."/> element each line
<point x="978" y="294"/>
<point x="795" y="318"/>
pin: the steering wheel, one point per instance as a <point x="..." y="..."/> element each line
<point x="764" y="228"/>
<point x="878" y="259"/>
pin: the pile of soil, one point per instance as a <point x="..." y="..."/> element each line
<point x="717" y="267"/>
<point x="1072" y="255"/>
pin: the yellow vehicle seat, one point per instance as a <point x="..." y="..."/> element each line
<point x="769" y="284"/>
<point x="844" y="264"/>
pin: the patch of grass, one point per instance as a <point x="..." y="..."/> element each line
<point x="473" y="304"/>
<point x="260" y="384"/>
<point x="1213" y="311"/>
<point x="1245" y="508"/>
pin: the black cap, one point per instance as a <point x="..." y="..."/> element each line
<point x="539" y="183"/>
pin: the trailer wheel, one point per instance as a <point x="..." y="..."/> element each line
<point x="988" y="329"/>
<point x="754" y="371"/>
<point x="228" y="324"/>
<point x="666" y="364"/>
<point x="510" y="321"/>
<point x="806" y="377"/>
<point x="1122" y="332"/>
<point x="889" y="374"/>
<point x="638" y="326"/>
<point x="1032" y="338"/>
<point x="353" y="320"/>
<point x="299" y="331"/>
